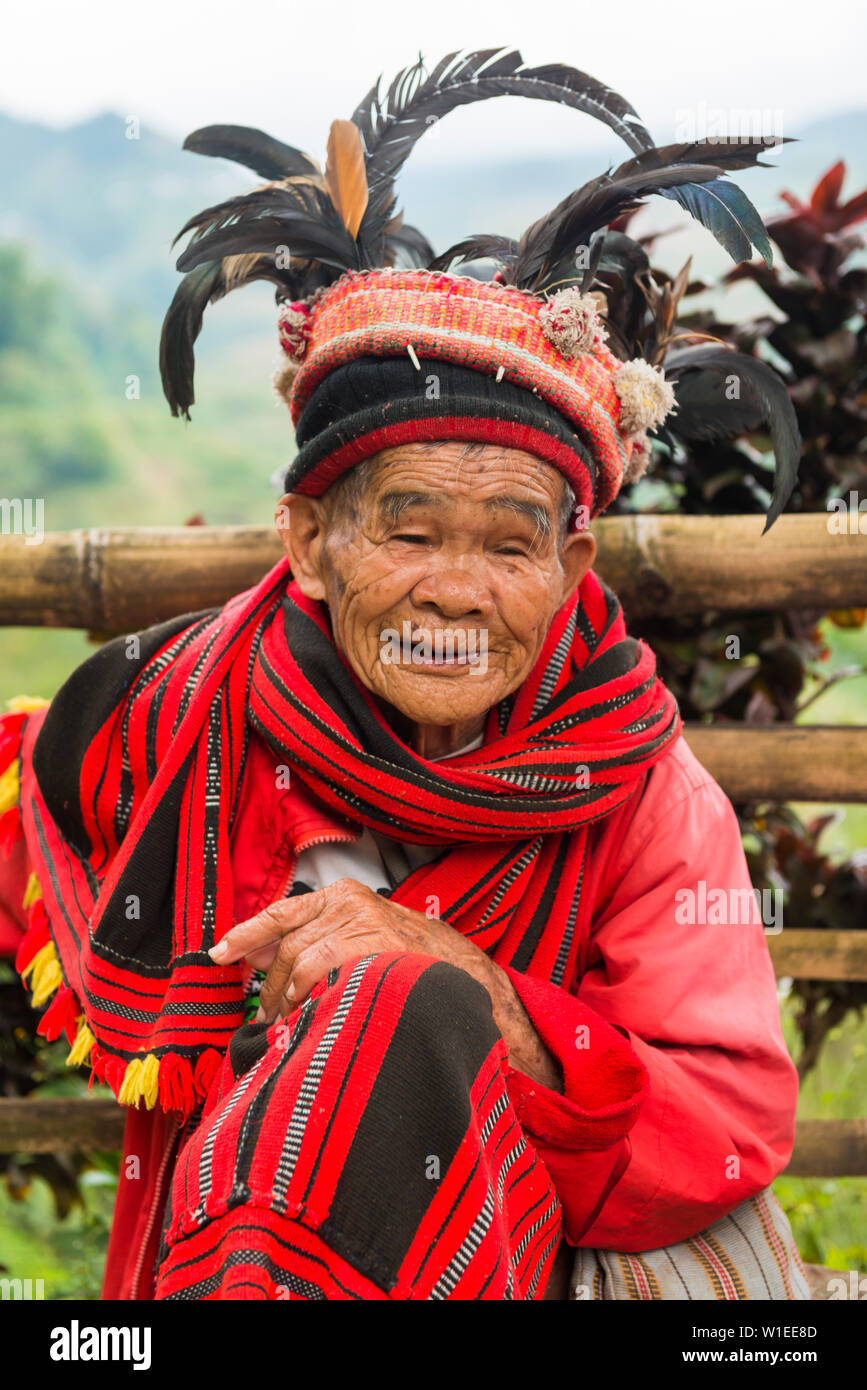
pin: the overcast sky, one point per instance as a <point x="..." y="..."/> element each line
<point x="292" y="67"/>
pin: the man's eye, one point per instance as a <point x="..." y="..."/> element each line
<point x="408" y="536"/>
<point x="511" y="550"/>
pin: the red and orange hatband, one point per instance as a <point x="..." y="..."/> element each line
<point x="363" y="373"/>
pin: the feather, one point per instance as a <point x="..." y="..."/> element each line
<point x="303" y="193"/>
<point x="722" y="207"/>
<point x="391" y="126"/>
<point x="205" y="285"/>
<point x="409" y="242"/>
<point x="236" y="242"/>
<point x="723" y="154"/>
<point x="238" y="270"/>
<point x="622" y="265"/>
<point x="679" y="285"/>
<point x="303" y="236"/>
<point x="597" y="246"/>
<point x="181" y="327"/>
<point x="727" y="212"/>
<point x="702" y="378"/>
<point x="345" y="220"/>
<point x="299" y="215"/>
<point x="345" y="176"/>
<point x="269" y="158"/>
<point x="572" y="223"/>
<point x="568" y="271"/>
<point x="483" y="246"/>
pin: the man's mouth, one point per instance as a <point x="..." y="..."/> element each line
<point x="445" y="648"/>
<point x="436" y="650"/>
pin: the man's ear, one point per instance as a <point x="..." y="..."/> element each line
<point x="577" y="554"/>
<point x="300" y="526"/>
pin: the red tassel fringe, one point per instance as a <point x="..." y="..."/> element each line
<point x="207" y="1066"/>
<point x="111" y="1070"/>
<point x="96" y="1066"/>
<point x="10" y="737"/>
<point x="36" y="936"/>
<point x="181" y="1084"/>
<point x="61" y="1016"/>
<point x="176" y="1084"/>
<point x="10" y="830"/>
<point x="11" y="726"/>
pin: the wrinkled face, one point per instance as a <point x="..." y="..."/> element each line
<point x="442" y="574"/>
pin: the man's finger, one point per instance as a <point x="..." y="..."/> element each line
<point x="263" y="958"/>
<point x="313" y="963"/>
<point x="272" y="995"/>
<point x="269" y="925"/>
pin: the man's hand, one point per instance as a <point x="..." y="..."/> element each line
<point x="298" y="940"/>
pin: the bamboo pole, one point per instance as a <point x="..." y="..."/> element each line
<point x="823" y="1148"/>
<point x="830" y="1149"/>
<point x="809" y="953"/>
<point x="785" y="762"/>
<point x="120" y="580"/>
<point x="58" y="1126"/>
<point x="695" y="564"/>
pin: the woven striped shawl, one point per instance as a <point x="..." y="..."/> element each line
<point x="131" y="781"/>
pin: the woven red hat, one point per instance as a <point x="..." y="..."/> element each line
<point x="571" y="351"/>
<point x="553" y="350"/>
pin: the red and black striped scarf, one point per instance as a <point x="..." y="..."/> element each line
<point x="131" y="782"/>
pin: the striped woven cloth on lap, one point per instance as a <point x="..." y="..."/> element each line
<point x="311" y="1177"/>
<point x="748" y="1255"/>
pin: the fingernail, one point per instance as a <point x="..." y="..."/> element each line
<point x="217" y="952"/>
<point x="290" y="992"/>
<point x="260" y="1016"/>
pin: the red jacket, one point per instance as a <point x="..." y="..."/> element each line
<point x="697" y="1002"/>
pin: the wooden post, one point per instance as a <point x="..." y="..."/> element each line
<point x="39" y="1126"/>
<point x="819" y="954"/>
<point x="786" y="762"/>
<point x="823" y="1148"/>
<point x="830" y="1149"/>
<point x="120" y="580"/>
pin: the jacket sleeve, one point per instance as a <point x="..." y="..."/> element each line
<point x="697" y="1001"/>
<point x="582" y="1134"/>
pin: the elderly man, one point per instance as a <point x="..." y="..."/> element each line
<point x="419" y="809"/>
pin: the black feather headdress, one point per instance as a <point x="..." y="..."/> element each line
<point x="305" y="228"/>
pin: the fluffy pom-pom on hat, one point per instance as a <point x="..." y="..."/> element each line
<point x="569" y="316"/>
<point x="645" y="396"/>
<point x="294" y="326"/>
<point x="570" y="320"/>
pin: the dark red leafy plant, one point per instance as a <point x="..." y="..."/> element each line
<point x="815" y="335"/>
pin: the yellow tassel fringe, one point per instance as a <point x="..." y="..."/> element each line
<point x="130" y="1092"/>
<point x="45" y="969"/>
<point x="32" y="893"/>
<point x="84" y="1041"/>
<point x="25" y="704"/>
<point x="9" y="787"/>
<point x="142" y="1077"/>
<point x="141" y="1082"/>
<point x="150" y="1080"/>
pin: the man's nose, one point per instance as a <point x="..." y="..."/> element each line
<point x="455" y="591"/>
